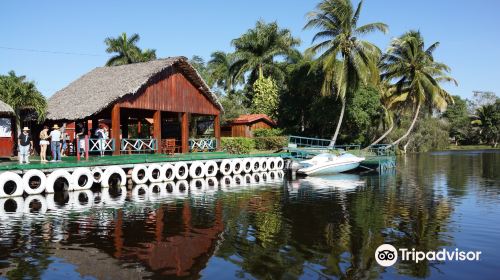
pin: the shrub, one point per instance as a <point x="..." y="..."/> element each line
<point x="270" y="143"/>
<point x="237" y="145"/>
<point x="267" y="132"/>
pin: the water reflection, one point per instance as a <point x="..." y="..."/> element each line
<point x="261" y="226"/>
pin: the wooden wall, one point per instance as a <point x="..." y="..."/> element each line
<point x="245" y="130"/>
<point x="171" y="92"/>
<point x="7" y="143"/>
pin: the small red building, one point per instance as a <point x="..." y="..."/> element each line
<point x="244" y="125"/>
<point x="7" y="131"/>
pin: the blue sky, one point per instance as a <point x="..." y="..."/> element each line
<point x="469" y="32"/>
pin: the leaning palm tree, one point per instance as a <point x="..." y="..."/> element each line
<point x="22" y="94"/>
<point x="417" y="75"/>
<point x="127" y="50"/>
<point x="258" y="47"/>
<point x="339" y="39"/>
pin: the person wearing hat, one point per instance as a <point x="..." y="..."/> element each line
<point x="25" y="143"/>
<point x="55" y="143"/>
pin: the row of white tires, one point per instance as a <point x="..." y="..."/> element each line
<point x="156" y="173"/>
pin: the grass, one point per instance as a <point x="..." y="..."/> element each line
<point x="471" y="147"/>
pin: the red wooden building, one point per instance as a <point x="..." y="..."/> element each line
<point x="244" y="125"/>
<point x="168" y="95"/>
<point x="7" y="131"/>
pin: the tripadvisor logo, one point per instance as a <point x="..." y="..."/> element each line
<point x="387" y="255"/>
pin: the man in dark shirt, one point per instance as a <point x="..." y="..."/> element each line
<point x="25" y="143"/>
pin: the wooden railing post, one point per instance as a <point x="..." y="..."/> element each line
<point x="115" y="128"/>
<point x="157" y="130"/>
<point x="184" y="133"/>
<point x="217" y="132"/>
<point x="87" y="147"/>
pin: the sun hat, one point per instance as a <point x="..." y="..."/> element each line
<point x="55" y="126"/>
<point x="26" y="128"/>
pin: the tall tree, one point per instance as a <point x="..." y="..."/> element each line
<point x="258" y="47"/>
<point x="488" y="120"/>
<point x="220" y="70"/>
<point x="337" y="21"/>
<point x="417" y="75"/>
<point x="126" y="50"/>
<point x="22" y="94"/>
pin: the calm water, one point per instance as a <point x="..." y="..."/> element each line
<point x="307" y="228"/>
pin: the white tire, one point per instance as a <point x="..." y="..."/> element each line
<point x="271" y="164"/>
<point x="181" y="170"/>
<point x="273" y="175"/>
<point x="197" y="186"/>
<point x="197" y="170"/>
<point x="255" y="165"/>
<point x="247" y="165"/>
<point x="237" y="166"/>
<point x="77" y="199"/>
<point x="19" y="206"/>
<point x="80" y="173"/>
<point x="110" y="171"/>
<point x="238" y="180"/>
<point x="30" y="199"/>
<point x="211" y="182"/>
<point x="280" y="163"/>
<point x="169" y="187"/>
<point x="140" y="174"/>
<point x="181" y="188"/>
<point x="140" y="193"/>
<point x="265" y="177"/>
<point x="247" y="179"/>
<point x="157" y="191"/>
<point x="31" y="174"/>
<point x="168" y="172"/>
<point x="15" y="180"/>
<point x="256" y="178"/>
<point x="226" y="167"/>
<point x="97" y="174"/>
<point x="263" y="164"/>
<point x="280" y="174"/>
<point x="154" y="173"/>
<point x="211" y="168"/>
<point x="226" y="181"/>
<point x="107" y="200"/>
<point x="59" y="174"/>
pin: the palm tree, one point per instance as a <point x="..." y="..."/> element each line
<point x="488" y="121"/>
<point x="337" y="21"/>
<point x="127" y="50"/>
<point x="22" y="94"/>
<point x="258" y="47"/>
<point x="220" y="69"/>
<point x="417" y="75"/>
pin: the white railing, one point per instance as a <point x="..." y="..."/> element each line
<point x="139" y="145"/>
<point x="202" y="144"/>
<point x="97" y="145"/>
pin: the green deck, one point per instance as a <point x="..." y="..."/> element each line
<point x="72" y="162"/>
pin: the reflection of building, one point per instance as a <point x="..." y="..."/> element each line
<point x="6" y="130"/>
<point x="244" y="125"/>
<point x="183" y="253"/>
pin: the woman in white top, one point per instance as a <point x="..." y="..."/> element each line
<point x="44" y="143"/>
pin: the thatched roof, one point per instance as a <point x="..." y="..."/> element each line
<point x="101" y="87"/>
<point x="5" y="108"/>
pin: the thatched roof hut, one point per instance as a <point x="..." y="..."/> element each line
<point x="5" y="109"/>
<point x="98" y="89"/>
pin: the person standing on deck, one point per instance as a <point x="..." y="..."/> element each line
<point x="101" y="136"/>
<point x="80" y="135"/>
<point x="64" y="135"/>
<point x="55" y="143"/>
<point x="44" y="143"/>
<point x="25" y="144"/>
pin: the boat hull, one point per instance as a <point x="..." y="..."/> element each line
<point x="328" y="169"/>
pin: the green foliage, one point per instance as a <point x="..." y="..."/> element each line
<point x="20" y="93"/>
<point x="363" y="112"/>
<point x="199" y="64"/>
<point x="265" y="99"/>
<point x="488" y="120"/>
<point x="234" y="105"/>
<point x="430" y="134"/>
<point x="127" y="51"/>
<point x="237" y="145"/>
<point x="270" y="143"/>
<point x="458" y="118"/>
<point x="267" y="132"/>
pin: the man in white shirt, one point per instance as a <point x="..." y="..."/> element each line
<point x="55" y="143"/>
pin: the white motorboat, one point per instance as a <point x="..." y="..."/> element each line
<point x="326" y="163"/>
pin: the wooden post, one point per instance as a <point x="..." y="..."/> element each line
<point x="87" y="147"/>
<point x="217" y="131"/>
<point x="185" y="133"/>
<point x="157" y="129"/>
<point x="115" y="128"/>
